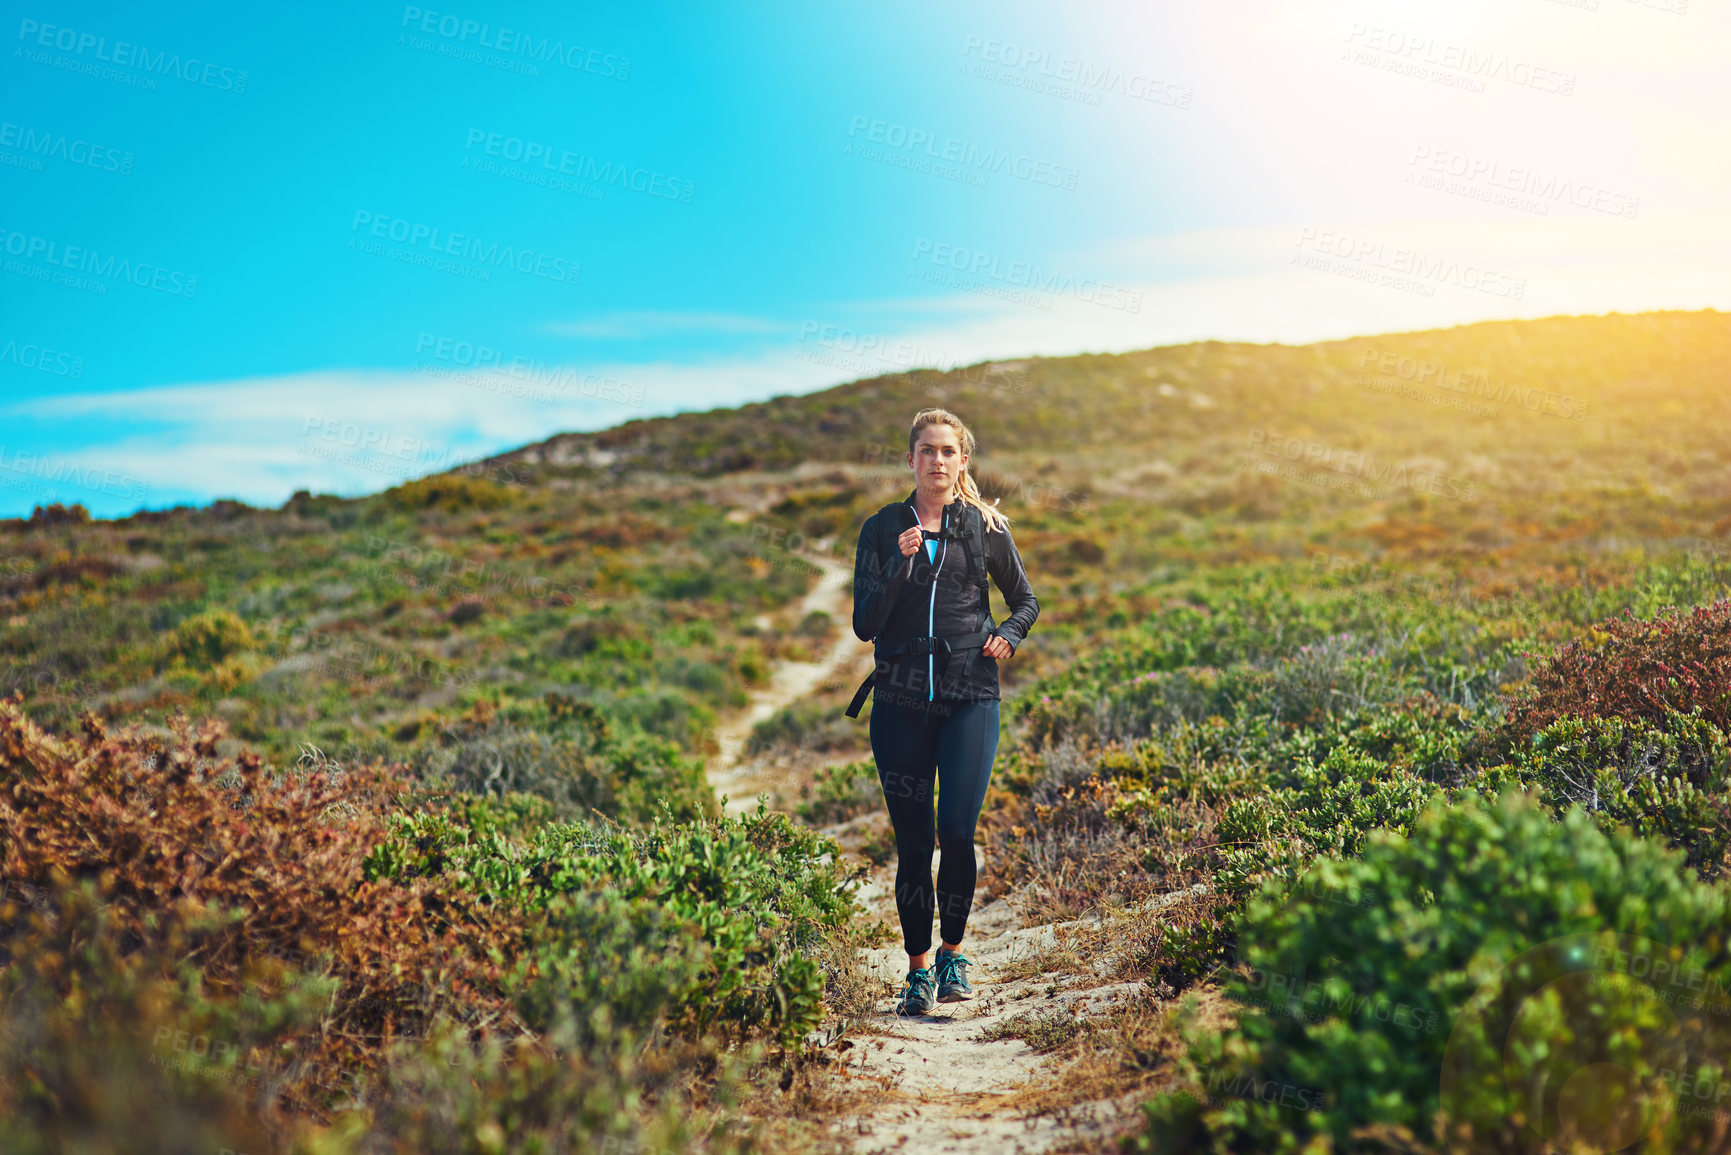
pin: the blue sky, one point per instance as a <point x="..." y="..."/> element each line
<point x="422" y="233"/>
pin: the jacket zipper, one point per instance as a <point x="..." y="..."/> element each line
<point x="932" y="602"/>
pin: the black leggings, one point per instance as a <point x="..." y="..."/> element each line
<point x="958" y="741"/>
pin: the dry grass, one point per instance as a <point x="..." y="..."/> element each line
<point x="791" y="1110"/>
<point x="1128" y="1049"/>
<point x="1065" y="957"/>
<point x="849" y="990"/>
<point x="1044" y="1030"/>
<point x="1113" y="944"/>
<point x="1067" y="857"/>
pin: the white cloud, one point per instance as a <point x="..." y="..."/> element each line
<point x="637" y="326"/>
<point x="354" y="432"/>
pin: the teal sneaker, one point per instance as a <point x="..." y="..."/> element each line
<point x="953" y="984"/>
<point x="916" y="998"/>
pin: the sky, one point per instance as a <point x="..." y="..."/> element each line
<point x="252" y="249"/>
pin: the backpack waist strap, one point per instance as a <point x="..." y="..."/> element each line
<point x="927" y="644"/>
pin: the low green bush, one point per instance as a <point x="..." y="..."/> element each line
<point x="707" y="926"/>
<point x="615" y="964"/>
<point x="1496" y="980"/>
<point x="1329" y="808"/>
<point x="1422" y="735"/>
<point x="662" y="712"/>
<point x="577" y="759"/>
<point x="205" y="639"/>
<point x="841" y="792"/>
<point x="812" y="727"/>
<point x="1665" y="780"/>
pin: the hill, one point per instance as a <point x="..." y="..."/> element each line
<point x="1308" y="611"/>
<point x="1487" y="452"/>
<point x="631" y="566"/>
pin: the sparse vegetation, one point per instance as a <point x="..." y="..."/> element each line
<point x="1043" y="1030"/>
<point x="839" y="793"/>
<point x="399" y="802"/>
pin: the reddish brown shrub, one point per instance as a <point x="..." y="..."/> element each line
<point x="1635" y="669"/>
<point x="169" y="830"/>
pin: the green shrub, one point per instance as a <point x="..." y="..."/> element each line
<point x="812" y="727"/>
<point x="1337" y="681"/>
<point x="1664" y="780"/>
<point x="757" y="889"/>
<point x="515" y="816"/>
<point x="1332" y="675"/>
<point x="699" y="927"/>
<point x="1247" y="643"/>
<point x="449" y="493"/>
<point x="1498" y="969"/>
<point x="709" y="680"/>
<point x="614" y="964"/>
<point x="1266" y="826"/>
<point x="206" y="639"/>
<point x="839" y="793"/>
<point x="579" y="769"/>
<point x="1422" y="735"/>
<point x="662" y="712"/>
<point x="1319" y="809"/>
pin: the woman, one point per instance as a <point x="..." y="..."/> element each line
<point x="920" y="594"/>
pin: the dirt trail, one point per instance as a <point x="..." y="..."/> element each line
<point x="933" y="1084"/>
<point x="730" y="774"/>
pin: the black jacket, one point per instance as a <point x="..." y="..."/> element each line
<point x="897" y="598"/>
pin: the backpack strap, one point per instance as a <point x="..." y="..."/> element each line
<point x="886" y="542"/>
<point x="859" y="695"/>
<point x="974" y="542"/>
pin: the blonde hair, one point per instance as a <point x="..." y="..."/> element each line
<point x="970" y="491"/>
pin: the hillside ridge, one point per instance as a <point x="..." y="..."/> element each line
<point x="759" y="435"/>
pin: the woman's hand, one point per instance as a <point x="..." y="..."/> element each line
<point x="909" y="541"/>
<point x="996" y="647"/>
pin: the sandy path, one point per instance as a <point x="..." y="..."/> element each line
<point x="938" y="1086"/>
<point x="729" y="773"/>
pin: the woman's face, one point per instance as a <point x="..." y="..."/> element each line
<point x="937" y="461"/>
